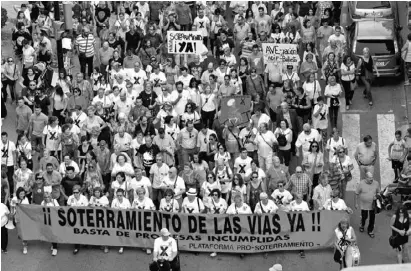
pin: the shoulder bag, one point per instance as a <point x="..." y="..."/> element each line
<point x="274" y="147"/>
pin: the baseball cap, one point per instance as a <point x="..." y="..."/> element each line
<point x="263" y="195"/>
<point x="164" y="232"/>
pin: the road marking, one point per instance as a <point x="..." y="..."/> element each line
<point x="342" y="105"/>
<point x="351" y="135"/>
<point x="386" y="131"/>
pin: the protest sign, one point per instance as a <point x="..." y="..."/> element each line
<point x="195" y="232"/>
<point x="235" y="110"/>
<point x="285" y="54"/>
<point x="184" y="42"/>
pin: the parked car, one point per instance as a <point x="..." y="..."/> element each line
<point x="383" y="39"/>
<point x="409" y="15"/>
<point x="371" y="9"/>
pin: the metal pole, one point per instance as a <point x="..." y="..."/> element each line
<point x="57" y="37"/>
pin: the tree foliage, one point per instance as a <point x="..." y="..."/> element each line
<point x="4" y="17"/>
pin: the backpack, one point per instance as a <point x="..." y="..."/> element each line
<point x="282" y="140"/>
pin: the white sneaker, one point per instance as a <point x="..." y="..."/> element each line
<point x="120" y="250"/>
<point x="54" y="252"/>
<point x="148" y="251"/>
<point x="106" y="250"/>
<point x="214" y="254"/>
<point x="24" y="250"/>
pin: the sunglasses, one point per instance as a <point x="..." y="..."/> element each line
<point x="188" y="107"/>
<point x="314" y="146"/>
<point x="254" y="177"/>
<point x="280" y="186"/>
<point x="215" y="194"/>
<point x="210" y="177"/>
<point x="10" y="60"/>
<point x="298" y="172"/>
<point x="39" y="178"/>
<point x="76" y="192"/>
<point x="169" y="195"/>
<point x="32" y="85"/>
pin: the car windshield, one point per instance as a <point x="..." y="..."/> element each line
<point x="377" y="47"/>
<point x="373" y="4"/>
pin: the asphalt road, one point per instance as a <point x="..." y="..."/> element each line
<point x="389" y="103"/>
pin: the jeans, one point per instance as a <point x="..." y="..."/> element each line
<point x="10" y="173"/>
<point x="333" y="111"/>
<point x="349" y="93"/>
<point x="185" y="153"/>
<point x="86" y="61"/>
<point x="103" y="70"/>
<point x="364" y="217"/>
<point x="4" y="238"/>
<point x="208" y="118"/>
<point x="11" y="85"/>
<point x="157" y="196"/>
<point x="285" y="157"/>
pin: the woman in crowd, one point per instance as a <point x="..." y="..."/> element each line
<point x="168" y="203"/>
<point x="333" y="93"/>
<point x="348" y="79"/>
<point x="24" y="151"/>
<point x="64" y="82"/>
<point x="23" y="177"/>
<point x="345" y="237"/>
<point x="49" y="201"/>
<point x="9" y="76"/>
<point x="400" y="225"/>
<point x="120" y="203"/>
<point x="76" y="99"/>
<point x="19" y="198"/>
<point x="215" y="205"/>
<point x="59" y="102"/>
<point x="313" y="162"/>
<point x="224" y="175"/>
<point x="330" y="67"/>
<point x="91" y="121"/>
<point x="238" y="187"/>
<point x="254" y="189"/>
<point x="365" y="71"/>
<point x="335" y="203"/>
<point x="308" y="68"/>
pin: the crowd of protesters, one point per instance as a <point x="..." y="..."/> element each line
<point x="138" y="127"/>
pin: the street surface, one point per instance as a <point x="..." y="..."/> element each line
<point x="380" y="121"/>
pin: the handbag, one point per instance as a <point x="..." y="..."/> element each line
<point x="394" y="241"/>
<point x="347" y="176"/>
<point x="352" y="256"/>
<point x="353" y="84"/>
<point x="274" y="147"/>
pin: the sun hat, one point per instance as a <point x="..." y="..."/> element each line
<point x="192" y="192"/>
<point x="276" y="267"/>
<point x="164" y="232"/>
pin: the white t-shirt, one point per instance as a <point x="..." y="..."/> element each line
<point x="265" y="143"/>
<point x="26" y="149"/>
<point x="164" y="249"/>
<point x="303" y="206"/>
<point x="63" y="168"/>
<point x="144" y="182"/>
<point x="115" y="185"/>
<point x="321" y="121"/>
<point x="344" y="164"/>
<point x="171" y="207"/>
<point x="185" y="79"/>
<point x="181" y="105"/>
<point x="305" y="140"/>
<point x="242" y="165"/>
<point x="201" y="25"/>
<point x="270" y="207"/>
<point x="334" y="206"/>
<point x="193" y="207"/>
<point x="116" y="204"/>
<point x="177" y="185"/>
<point x="82" y="201"/>
<point x="28" y="57"/>
<point x="7" y="151"/>
<point x="340" y="40"/>
<point x="101" y="202"/>
<point x="261" y="173"/>
<point x="53" y="134"/>
<point x="145" y="204"/>
<point x="244" y="209"/>
<point x="216" y="208"/>
<point x="159" y="174"/>
<point x="332" y="145"/>
<point x="224" y="175"/>
<point x="208" y="187"/>
<point x="285" y="197"/>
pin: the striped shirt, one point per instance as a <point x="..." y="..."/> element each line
<point x="86" y="45"/>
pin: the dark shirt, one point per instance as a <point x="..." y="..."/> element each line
<point x="102" y="14"/>
<point x="150" y="130"/>
<point x="44" y="104"/>
<point x="301" y="101"/>
<point x="68" y="184"/>
<point x="18" y="38"/>
<point x="132" y="40"/>
<point x="154" y="39"/>
<point x="148" y="99"/>
<point x="148" y="154"/>
<point x="220" y="44"/>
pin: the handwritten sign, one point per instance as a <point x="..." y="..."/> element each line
<point x="184" y="42"/>
<point x="286" y="54"/>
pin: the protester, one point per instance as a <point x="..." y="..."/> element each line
<point x="345" y="237"/>
<point x="400" y="225"/>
